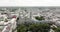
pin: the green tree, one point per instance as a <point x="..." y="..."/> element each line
<point x="39" y="27"/>
<point x="57" y="29"/>
<point x="34" y="28"/>
<point x="22" y="28"/>
<point x="40" y="18"/>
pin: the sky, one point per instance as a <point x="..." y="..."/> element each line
<point x="23" y="3"/>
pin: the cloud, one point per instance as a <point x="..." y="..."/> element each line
<point x="29" y="2"/>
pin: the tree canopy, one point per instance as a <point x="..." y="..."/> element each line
<point x="34" y="28"/>
<point x="39" y="18"/>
